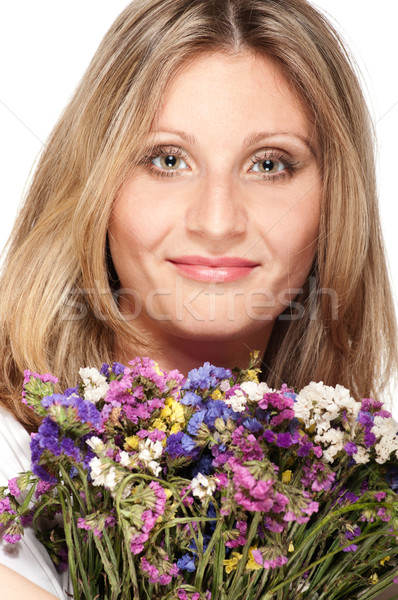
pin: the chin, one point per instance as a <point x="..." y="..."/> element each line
<point x="220" y="330"/>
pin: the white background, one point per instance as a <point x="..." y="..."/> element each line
<point x="45" y="47"/>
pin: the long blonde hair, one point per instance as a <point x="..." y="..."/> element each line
<point x="59" y="242"/>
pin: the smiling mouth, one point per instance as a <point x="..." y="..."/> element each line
<point x="214" y="270"/>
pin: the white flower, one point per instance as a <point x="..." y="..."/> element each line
<point x="361" y="457"/>
<point x="95" y="444"/>
<point x="103" y="473"/>
<point x="95" y="384"/>
<point x="148" y="453"/>
<point x="238" y="401"/>
<point x="202" y="486"/>
<point x="318" y="404"/>
<point x="332" y="442"/>
<point x="125" y="458"/>
<point x="386" y="431"/>
<point x="255" y="391"/>
<point x="225" y="385"/>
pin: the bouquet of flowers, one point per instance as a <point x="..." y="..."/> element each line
<point x="149" y="485"/>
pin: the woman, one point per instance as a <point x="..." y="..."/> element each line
<point x="209" y="190"/>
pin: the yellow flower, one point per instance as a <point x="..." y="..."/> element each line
<point x="252" y="375"/>
<point x="230" y="564"/>
<point x="287" y="476"/>
<point x="291" y="547"/>
<point x="159" y="424"/>
<point x="165" y="413"/>
<point x="157" y="369"/>
<point x="251" y="564"/>
<point x="178" y="413"/>
<point x="132" y="442"/>
<point x="374" y="579"/>
<point x="175" y="428"/>
<point x="384" y="560"/>
<point x="173" y="411"/>
<point x="217" y="395"/>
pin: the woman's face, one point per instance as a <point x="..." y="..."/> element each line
<point x="215" y="232"/>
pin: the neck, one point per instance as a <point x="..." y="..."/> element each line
<point x="186" y="354"/>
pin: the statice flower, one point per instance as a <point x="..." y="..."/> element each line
<point x="95" y="384"/>
<point x="169" y="485"/>
<point x="149" y="453"/>
<point x="202" y="486"/>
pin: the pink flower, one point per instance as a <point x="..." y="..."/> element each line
<point x="11" y="539"/>
<point x="221" y="480"/>
<point x="379" y="496"/>
<point x="13" y="487"/>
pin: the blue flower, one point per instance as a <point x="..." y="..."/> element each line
<point x="72" y="391"/>
<point x="216" y="409"/>
<point x="186" y="563"/>
<point x="118" y="368"/>
<point x="253" y="425"/>
<point x="205" y="377"/>
<point x="47" y="436"/>
<point x="69" y="448"/>
<point x="180" y="444"/>
<point x="392" y="478"/>
<point x="195" y="422"/>
<point x="48" y="401"/>
<point x="204" y="465"/>
<point x="206" y="540"/>
<point x="190" y="399"/>
<point x="104" y="369"/>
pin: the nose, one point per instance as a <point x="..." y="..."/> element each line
<point x="217" y="210"/>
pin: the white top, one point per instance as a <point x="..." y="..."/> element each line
<point x="28" y="556"/>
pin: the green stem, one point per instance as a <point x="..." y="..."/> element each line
<point x="242" y="562"/>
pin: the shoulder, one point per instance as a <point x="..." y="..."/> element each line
<point x="14" y="447"/>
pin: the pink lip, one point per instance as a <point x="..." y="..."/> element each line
<point x="226" y="268"/>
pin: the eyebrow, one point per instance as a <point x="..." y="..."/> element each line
<point x="251" y="139"/>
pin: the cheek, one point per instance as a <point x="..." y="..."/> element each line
<point x="139" y="220"/>
<point x="293" y="240"/>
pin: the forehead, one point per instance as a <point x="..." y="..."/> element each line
<point x="241" y="90"/>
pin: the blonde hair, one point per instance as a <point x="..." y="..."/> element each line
<point x="59" y="242"/>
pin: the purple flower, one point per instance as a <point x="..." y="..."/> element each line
<point x="118" y="368"/>
<point x="6" y="507"/>
<point x="180" y="444"/>
<point x="365" y="419"/>
<point x="350" y="535"/>
<point x="69" y="448"/>
<point x="47" y="437"/>
<point x="379" y="496"/>
<point x="304" y="449"/>
<point x="351" y="548"/>
<point x="351" y="448"/>
<point x="284" y="440"/>
<point x="105" y="369"/>
<point x="13" y="487"/>
<point x="269" y="436"/>
<point x="370" y="439"/>
<point x="11" y="538"/>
